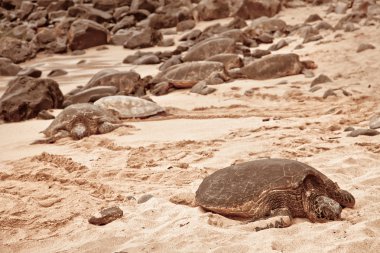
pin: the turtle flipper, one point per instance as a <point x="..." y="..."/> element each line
<point x="54" y="138"/>
<point x="107" y="127"/>
<point x="345" y="199"/>
<point x="278" y="218"/>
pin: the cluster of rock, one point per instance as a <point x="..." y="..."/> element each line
<point x="214" y="55"/>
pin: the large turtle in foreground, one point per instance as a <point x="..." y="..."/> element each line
<point x="78" y="121"/>
<point x="273" y="189"/>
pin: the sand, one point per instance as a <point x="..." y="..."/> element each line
<point x="48" y="192"/>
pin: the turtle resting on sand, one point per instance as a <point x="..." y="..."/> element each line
<point x="187" y="74"/>
<point x="129" y="107"/>
<point x="78" y="121"/>
<point x="275" y="190"/>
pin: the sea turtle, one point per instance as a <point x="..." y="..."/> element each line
<point x="129" y="107"/>
<point x="272" y="189"/>
<point x="275" y="66"/>
<point x="187" y="74"/>
<point x="79" y="121"/>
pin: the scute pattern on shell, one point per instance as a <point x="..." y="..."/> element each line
<point x="129" y="107"/>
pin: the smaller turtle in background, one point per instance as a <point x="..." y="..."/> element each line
<point x="78" y="121"/>
<point x="129" y="107"/>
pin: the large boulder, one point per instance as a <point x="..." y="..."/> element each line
<point x="251" y="9"/>
<point x="106" y="5"/>
<point x="212" y="9"/>
<point x="147" y="37"/>
<point x="8" y="68"/>
<point x="26" y="96"/>
<point x="16" y="50"/>
<point x="85" y="34"/>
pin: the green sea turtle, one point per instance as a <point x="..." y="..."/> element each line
<point x="78" y="121"/>
<point x="187" y="74"/>
<point x="273" y="189"/>
<point x="129" y="107"/>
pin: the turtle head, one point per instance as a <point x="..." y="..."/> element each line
<point x="323" y="208"/>
<point x="79" y="131"/>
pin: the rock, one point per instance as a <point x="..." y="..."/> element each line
<point x="8" y="68"/>
<point x="328" y="93"/>
<point x="90" y="95"/>
<point x="147" y="59"/>
<point x="126" y="22"/>
<point x="57" y="72"/>
<point x="86" y="12"/>
<point x="212" y="9"/>
<point x="258" y="53"/>
<point x="162" y="88"/>
<point x="147" y="37"/>
<point x="278" y="45"/>
<point x="45" y="114"/>
<point x="106" y="5"/>
<point x="320" y="79"/>
<point x="48" y="39"/>
<point x="23" y="32"/>
<point x="185" y="25"/>
<point x="78" y="52"/>
<point x="313" y="18"/>
<point x="202" y="88"/>
<point x="349" y="129"/>
<point x="26" y="8"/>
<point x="32" y="72"/>
<point x="166" y="42"/>
<point x="16" y="50"/>
<point x="144" y="198"/>
<point x="273" y="66"/>
<point x="85" y="34"/>
<point x="374" y="121"/>
<point x="252" y="9"/>
<point x="365" y="46"/>
<point x="230" y="61"/>
<point x="323" y="25"/>
<point x="312" y="38"/>
<point x="26" y="96"/>
<point x="38" y="18"/>
<point x="60" y="5"/>
<point x="368" y="132"/>
<point x="106" y="216"/>
<point x="162" y="20"/>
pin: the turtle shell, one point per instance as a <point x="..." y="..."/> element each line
<point x="65" y="119"/>
<point x="187" y="74"/>
<point x="238" y="188"/>
<point x="129" y="107"/>
<point x="208" y="48"/>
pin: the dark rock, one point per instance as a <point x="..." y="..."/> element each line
<point x="349" y="129"/>
<point x="147" y="37"/>
<point x="26" y="8"/>
<point x="86" y="12"/>
<point x="313" y="18"/>
<point x="144" y="198"/>
<point x="57" y="72"/>
<point x="38" y="18"/>
<point x="368" y="132"/>
<point x="320" y="79"/>
<point x="162" y="20"/>
<point x="212" y="9"/>
<point x="365" y="46"/>
<point x="185" y="25"/>
<point x="252" y="9"/>
<point x="147" y="59"/>
<point x="85" y="34"/>
<point x="148" y="5"/>
<point x="106" y="216"/>
<point x="202" y="88"/>
<point x="16" y="50"/>
<point x="60" y="5"/>
<point x="23" y="32"/>
<point x="120" y="12"/>
<point x="8" y="68"/>
<point x="166" y="42"/>
<point x="258" y="53"/>
<point x="32" y="72"/>
<point x="237" y="23"/>
<point x="162" y="88"/>
<point x="26" y="96"/>
<point x="265" y="38"/>
<point x="126" y="22"/>
<point x="48" y="39"/>
<point x="90" y="95"/>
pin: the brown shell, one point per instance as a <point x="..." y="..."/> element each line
<point x="94" y="115"/>
<point x="273" y="66"/>
<point x="209" y="47"/>
<point x="187" y="74"/>
<point x="245" y="184"/>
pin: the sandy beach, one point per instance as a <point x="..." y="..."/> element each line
<point x="49" y="191"/>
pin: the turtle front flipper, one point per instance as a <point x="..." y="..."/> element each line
<point x="61" y="134"/>
<point x="107" y="127"/>
<point x="278" y="218"/>
<point x="345" y="199"/>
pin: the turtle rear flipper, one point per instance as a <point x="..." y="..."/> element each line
<point x="278" y="218"/>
